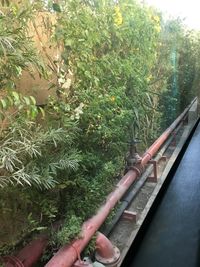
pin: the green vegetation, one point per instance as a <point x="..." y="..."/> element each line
<point x="122" y="72"/>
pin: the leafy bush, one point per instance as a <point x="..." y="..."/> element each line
<point x="17" y="52"/>
<point x="114" y="80"/>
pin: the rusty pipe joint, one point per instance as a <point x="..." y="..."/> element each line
<point x="29" y="255"/>
<point x="106" y="253"/>
<point x="133" y="159"/>
<point x="134" y="163"/>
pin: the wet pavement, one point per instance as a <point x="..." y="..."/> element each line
<point x="173" y="236"/>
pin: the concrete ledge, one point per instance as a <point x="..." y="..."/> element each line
<point x="193" y="113"/>
<point x="186" y="133"/>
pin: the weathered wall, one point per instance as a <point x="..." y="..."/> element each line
<point x="40" y="31"/>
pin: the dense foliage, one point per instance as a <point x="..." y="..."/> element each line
<point x="122" y="72"/>
<point x="182" y="48"/>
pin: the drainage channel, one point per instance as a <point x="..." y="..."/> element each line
<point x="171" y="235"/>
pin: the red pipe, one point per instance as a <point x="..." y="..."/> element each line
<point x="29" y="255"/>
<point x="157" y="144"/>
<point x="104" y="247"/>
<point x="68" y="254"/>
<point x="106" y="253"/>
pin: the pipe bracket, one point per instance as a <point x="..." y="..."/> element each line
<point x="154" y="178"/>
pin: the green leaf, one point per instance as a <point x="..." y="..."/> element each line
<point x="33" y="112"/>
<point x="20" y="107"/>
<point x="135" y="110"/>
<point x="16" y="96"/>
<point x="149" y="99"/>
<point x="40" y="228"/>
<point x="10" y="100"/>
<point x="56" y="7"/>
<point x="33" y="100"/>
<point x="42" y="111"/>
<point x="3" y="104"/>
<point x="27" y="100"/>
<point x="68" y="42"/>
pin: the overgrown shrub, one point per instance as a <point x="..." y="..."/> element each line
<point x="114" y="80"/>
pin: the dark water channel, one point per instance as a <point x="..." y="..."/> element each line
<point x="172" y="239"/>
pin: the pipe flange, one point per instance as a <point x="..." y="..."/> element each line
<point x="13" y="260"/>
<point x="110" y="262"/>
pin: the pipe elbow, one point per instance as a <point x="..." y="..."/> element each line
<point x="106" y="253"/>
